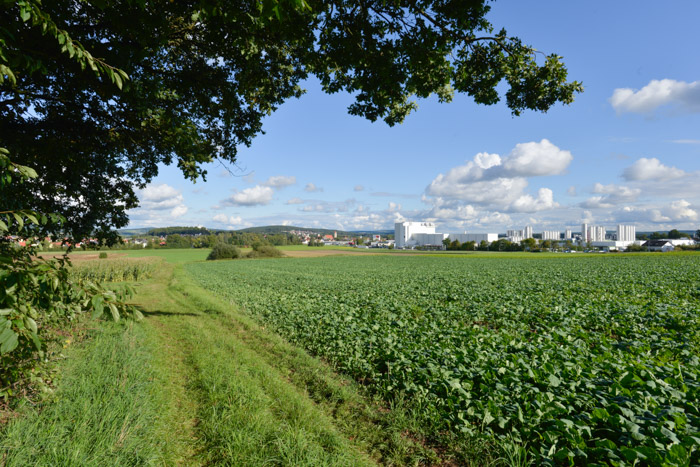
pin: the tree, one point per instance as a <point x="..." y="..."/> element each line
<point x="528" y="244"/>
<point x="674" y="233"/>
<point x="188" y="82"/>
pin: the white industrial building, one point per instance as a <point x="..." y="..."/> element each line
<point x="550" y="235"/>
<point x="517" y="236"/>
<point x="409" y="234"/>
<point x="568" y="234"/>
<point x="626" y="233"/>
<point x="413" y="234"/>
<point x="592" y="233"/>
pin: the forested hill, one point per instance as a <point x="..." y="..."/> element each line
<point x="266" y="230"/>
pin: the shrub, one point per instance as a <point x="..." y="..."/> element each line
<point x="224" y="251"/>
<point x="264" y="251"/>
<point x="103" y="255"/>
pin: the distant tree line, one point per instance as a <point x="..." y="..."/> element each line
<point x="671" y="234"/>
<point x="164" y="231"/>
<point x="503" y="244"/>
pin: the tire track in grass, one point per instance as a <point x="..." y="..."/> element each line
<point x="245" y="410"/>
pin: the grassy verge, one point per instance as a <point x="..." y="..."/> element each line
<point x="107" y="410"/>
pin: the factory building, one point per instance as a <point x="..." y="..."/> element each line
<point x="626" y="233"/>
<point x="517" y="236"/>
<point x="592" y="233"/>
<point x="568" y="234"/>
<point x="551" y="235"/>
<point x="412" y="234"/>
<point x="404" y="233"/>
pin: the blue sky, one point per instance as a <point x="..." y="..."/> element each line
<point x="626" y="151"/>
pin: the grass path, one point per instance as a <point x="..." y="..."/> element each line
<point x="250" y="398"/>
<point x="199" y="383"/>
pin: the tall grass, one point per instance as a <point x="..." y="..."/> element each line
<point x="106" y="411"/>
<point x="112" y="271"/>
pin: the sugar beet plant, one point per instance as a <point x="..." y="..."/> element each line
<point x="579" y="361"/>
<point x="36" y="292"/>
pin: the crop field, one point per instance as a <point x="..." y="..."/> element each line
<point x="568" y="360"/>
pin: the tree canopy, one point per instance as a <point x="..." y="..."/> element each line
<point x="95" y="94"/>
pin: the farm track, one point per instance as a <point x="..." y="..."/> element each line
<point x="241" y="395"/>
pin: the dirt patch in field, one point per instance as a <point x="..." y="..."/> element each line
<point x="80" y="257"/>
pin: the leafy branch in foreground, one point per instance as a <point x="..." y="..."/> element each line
<point x="36" y="292"/>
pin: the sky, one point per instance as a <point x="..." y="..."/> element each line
<point x="626" y="151"/>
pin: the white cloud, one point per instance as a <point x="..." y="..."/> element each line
<point x="681" y="211"/>
<point x="685" y="96"/>
<point x="676" y="212"/>
<point x="224" y="219"/>
<point x="686" y="141"/>
<point x="614" y="195"/>
<point x="359" y="188"/>
<point x="178" y="211"/>
<point x="161" y="196"/>
<point x="394" y="207"/>
<point x="491" y="181"/>
<point x="526" y="203"/>
<point x="280" y="181"/>
<point x="536" y="159"/>
<point x="255" y="196"/>
<point x="295" y="201"/>
<point x="650" y="169"/>
<point x="158" y="204"/>
<point x="311" y="188"/>
<point x="571" y="191"/>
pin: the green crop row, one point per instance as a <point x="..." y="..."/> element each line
<point x="577" y="360"/>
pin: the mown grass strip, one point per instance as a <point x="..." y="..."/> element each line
<point x="264" y="401"/>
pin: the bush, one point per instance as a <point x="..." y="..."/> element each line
<point x="224" y="251"/>
<point x="264" y="251"/>
<point x="103" y="255"/>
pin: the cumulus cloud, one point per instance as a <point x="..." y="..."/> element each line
<point x="295" y="201"/>
<point x="311" y="188"/>
<point x="224" y="219"/>
<point x="258" y="195"/>
<point x="158" y="204"/>
<point x="161" y="196"/>
<point x="280" y="181"/>
<point x="651" y="169"/>
<point x="527" y="203"/>
<point x="571" y="191"/>
<point x="677" y="211"/>
<point x="491" y="181"/>
<point x="359" y="188"/>
<point x="326" y="206"/>
<point x="536" y="159"/>
<point x="614" y="195"/>
<point x="658" y="93"/>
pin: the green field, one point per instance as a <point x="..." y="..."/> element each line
<point x="574" y="359"/>
<point x="475" y="358"/>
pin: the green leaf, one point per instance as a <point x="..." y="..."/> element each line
<point x="554" y="381"/>
<point x="8" y="341"/>
<point x="115" y="312"/>
<point x="97" y="306"/>
<point x="20" y="222"/>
